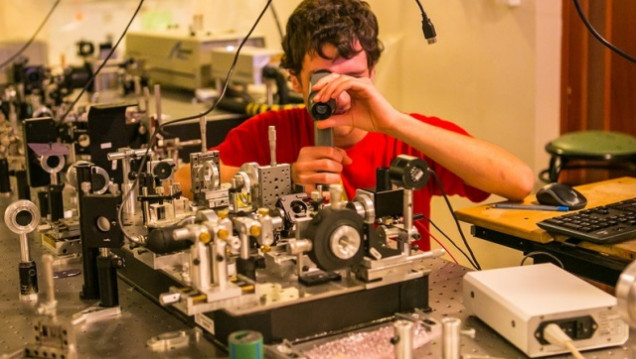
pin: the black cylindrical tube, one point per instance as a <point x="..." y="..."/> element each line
<point x="5" y="180"/>
<point x="409" y="172"/>
<point x="382" y="179"/>
<point x="146" y="181"/>
<point x="24" y="191"/>
<point x="319" y="110"/>
<point x="43" y="201"/>
<point x="160" y="241"/>
<point x="90" y="289"/>
<point x="28" y="278"/>
<point x="83" y="174"/>
<point x="56" y="202"/>
<point x="107" y="274"/>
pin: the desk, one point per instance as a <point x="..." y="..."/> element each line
<point x="517" y="229"/>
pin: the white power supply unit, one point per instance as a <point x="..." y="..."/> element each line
<point x="519" y="302"/>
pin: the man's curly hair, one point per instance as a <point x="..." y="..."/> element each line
<point x="315" y="23"/>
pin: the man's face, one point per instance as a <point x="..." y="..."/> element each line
<point x="356" y="67"/>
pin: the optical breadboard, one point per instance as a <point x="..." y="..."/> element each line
<point x="519" y="302"/>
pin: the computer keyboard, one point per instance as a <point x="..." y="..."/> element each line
<point x="611" y="223"/>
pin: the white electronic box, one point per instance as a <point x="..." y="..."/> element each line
<point x="519" y="302"/>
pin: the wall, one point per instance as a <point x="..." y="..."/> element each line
<point x="494" y="70"/>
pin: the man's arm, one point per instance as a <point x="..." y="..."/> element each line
<point x="183" y="176"/>
<point x="478" y="163"/>
<point x="227" y="172"/>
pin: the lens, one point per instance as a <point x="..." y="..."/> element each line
<point x="162" y="170"/>
<point x="53" y="161"/>
<point x="33" y="75"/>
<point x="103" y="224"/>
<point x="321" y="109"/>
<point x="298" y="207"/>
<point x="23" y="218"/>
<point x="98" y="182"/>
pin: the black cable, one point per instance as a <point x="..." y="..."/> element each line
<point x="421" y="7"/>
<point x="536" y="253"/>
<point x="427" y="26"/>
<point x="277" y="21"/>
<point x="459" y="228"/>
<point x="451" y="241"/>
<point x="88" y="83"/>
<point x="598" y="36"/>
<point x="227" y="77"/>
<point x="110" y="54"/>
<point x="28" y="43"/>
<point x="160" y="128"/>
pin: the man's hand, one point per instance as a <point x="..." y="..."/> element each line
<point x="360" y="104"/>
<point x="319" y="165"/>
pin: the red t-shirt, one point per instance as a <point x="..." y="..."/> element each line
<point x="295" y="130"/>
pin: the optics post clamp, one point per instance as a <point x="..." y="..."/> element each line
<point x="22" y="217"/>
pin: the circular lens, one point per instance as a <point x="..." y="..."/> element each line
<point x="52" y="164"/>
<point x="298" y="207"/>
<point x="98" y="182"/>
<point x="322" y="109"/>
<point x="53" y="161"/>
<point x="23" y="218"/>
<point x="84" y="140"/>
<point x="33" y="75"/>
<point x="103" y="224"/>
<point x="162" y="170"/>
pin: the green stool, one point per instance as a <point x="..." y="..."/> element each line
<point x="597" y="148"/>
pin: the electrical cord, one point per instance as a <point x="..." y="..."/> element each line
<point x="101" y="66"/>
<point x="598" y="36"/>
<point x="555" y="335"/>
<point x="90" y="80"/>
<point x="277" y="21"/>
<point x="441" y="245"/>
<point x="470" y="260"/>
<point x="535" y="253"/>
<point x="30" y="41"/>
<point x="227" y="77"/>
<point x="160" y="128"/>
<point x="474" y="262"/>
<point x="427" y="26"/>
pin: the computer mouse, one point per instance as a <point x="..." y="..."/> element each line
<point x="559" y="194"/>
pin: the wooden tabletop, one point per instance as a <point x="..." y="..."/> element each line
<point x="523" y="223"/>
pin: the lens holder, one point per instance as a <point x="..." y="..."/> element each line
<point x="22" y="217"/>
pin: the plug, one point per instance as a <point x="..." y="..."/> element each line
<point x="428" y="29"/>
<point x="427" y="26"/>
<point x="555" y="335"/>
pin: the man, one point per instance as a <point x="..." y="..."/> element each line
<point x="341" y="36"/>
